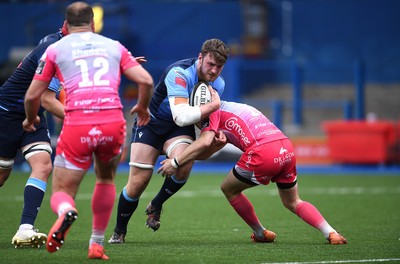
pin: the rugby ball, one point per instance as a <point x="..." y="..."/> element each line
<point x="200" y="94"/>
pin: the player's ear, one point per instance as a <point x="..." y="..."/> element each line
<point x="64" y="29"/>
<point x="92" y="26"/>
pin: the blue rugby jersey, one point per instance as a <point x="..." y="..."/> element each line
<point x="12" y="92"/>
<point x="181" y="70"/>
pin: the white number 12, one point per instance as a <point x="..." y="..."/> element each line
<point x="101" y="64"/>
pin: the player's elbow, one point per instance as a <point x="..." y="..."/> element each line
<point x="149" y="82"/>
<point x="45" y="103"/>
<point x="185" y="115"/>
<point x="182" y="121"/>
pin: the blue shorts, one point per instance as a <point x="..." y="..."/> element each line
<point x="157" y="132"/>
<point x="13" y="137"/>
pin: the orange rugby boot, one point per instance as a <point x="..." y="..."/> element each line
<point x="269" y="237"/>
<point x="58" y="232"/>
<point x="336" y="239"/>
<point x="97" y="251"/>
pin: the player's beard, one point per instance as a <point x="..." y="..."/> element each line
<point x="205" y="75"/>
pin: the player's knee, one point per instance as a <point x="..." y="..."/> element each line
<point x="227" y="191"/>
<point x="47" y="168"/>
<point x="290" y="204"/>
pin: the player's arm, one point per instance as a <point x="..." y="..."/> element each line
<point x="170" y="166"/>
<point x="145" y="84"/>
<point x="181" y="104"/>
<point x="185" y="114"/>
<point x="133" y="71"/>
<point x="49" y="99"/>
<point x="218" y="143"/>
<point x="32" y="103"/>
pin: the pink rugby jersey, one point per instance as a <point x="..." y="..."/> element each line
<point x="243" y="125"/>
<point x="89" y="67"/>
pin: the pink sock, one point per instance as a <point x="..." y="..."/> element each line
<point x="60" y="201"/>
<point x="310" y="214"/>
<point x="313" y="217"/>
<point x="102" y="205"/>
<point x="245" y="210"/>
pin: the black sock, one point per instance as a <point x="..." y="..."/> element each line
<point x="125" y="211"/>
<point x="169" y="188"/>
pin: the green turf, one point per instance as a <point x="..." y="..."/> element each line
<point x="199" y="226"/>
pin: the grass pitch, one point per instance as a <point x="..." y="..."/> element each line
<point x="199" y="226"/>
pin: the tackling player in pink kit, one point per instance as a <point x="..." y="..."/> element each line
<point x="268" y="156"/>
<point x="89" y="66"/>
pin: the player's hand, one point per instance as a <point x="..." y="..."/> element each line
<point x="30" y="126"/>
<point x="143" y="114"/>
<point x="141" y="59"/>
<point x="214" y="95"/>
<point x="166" y="168"/>
<point x="220" y="139"/>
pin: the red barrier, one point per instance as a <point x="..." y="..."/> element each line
<point x="311" y="150"/>
<point x="362" y="142"/>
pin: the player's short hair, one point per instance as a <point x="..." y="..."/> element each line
<point x="216" y="48"/>
<point x="79" y="14"/>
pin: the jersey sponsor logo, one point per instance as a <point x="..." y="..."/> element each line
<point x="285" y="157"/>
<point x="95" y="138"/>
<point x="282" y="150"/>
<point x="231" y="124"/>
<point x="261" y="125"/>
<point x="249" y="157"/>
<point x="39" y="69"/>
<point x="95" y="132"/>
<point x="180" y="81"/>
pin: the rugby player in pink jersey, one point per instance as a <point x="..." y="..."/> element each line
<point x="89" y="66"/>
<point x="268" y="156"/>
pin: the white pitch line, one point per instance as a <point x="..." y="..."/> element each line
<point x="337" y="261"/>
<point x="261" y="190"/>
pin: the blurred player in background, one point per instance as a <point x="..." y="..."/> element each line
<point x="35" y="146"/>
<point x="268" y="156"/>
<point x="89" y="66"/>
<point x="169" y="132"/>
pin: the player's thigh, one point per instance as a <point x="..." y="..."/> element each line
<point x="179" y="144"/>
<point x="11" y="134"/>
<point x="143" y="153"/>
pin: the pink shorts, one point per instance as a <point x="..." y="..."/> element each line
<point x="274" y="161"/>
<point x="78" y="143"/>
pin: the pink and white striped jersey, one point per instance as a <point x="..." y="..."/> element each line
<point x="89" y="67"/>
<point x="243" y="125"/>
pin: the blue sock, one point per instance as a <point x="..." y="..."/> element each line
<point x="126" y="207"/>
<point x="170" y="187"/>
<point x="33" y="197"/>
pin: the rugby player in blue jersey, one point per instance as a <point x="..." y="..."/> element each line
<point x="35" y="146"/>
<point x="170" y="131"/>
